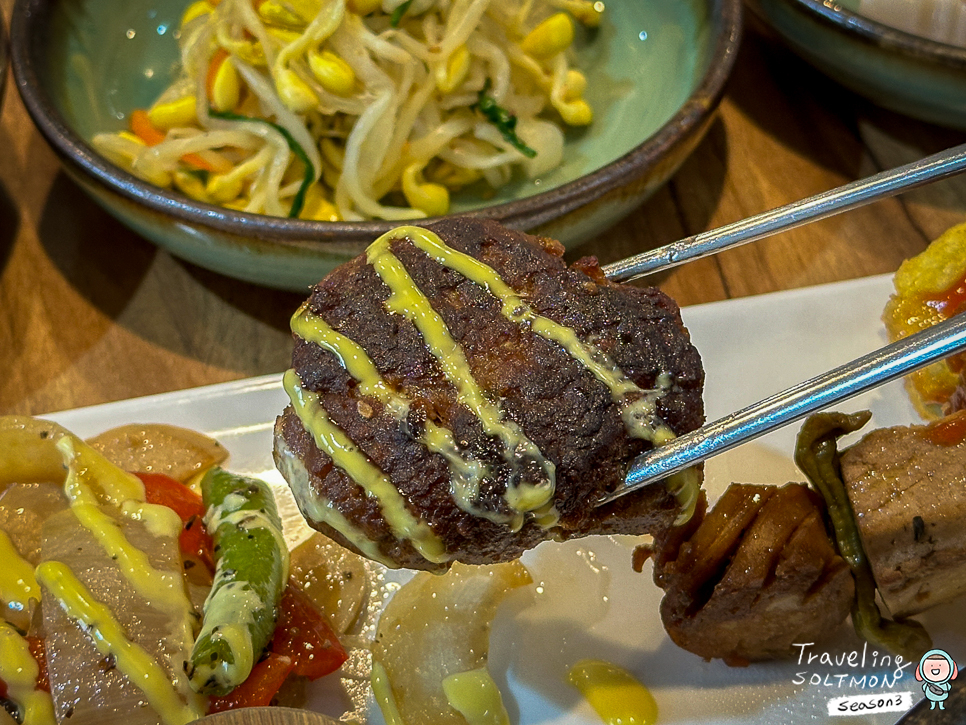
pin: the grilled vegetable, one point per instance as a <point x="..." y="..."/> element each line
<point x="907" y="486"/>
<point x="817" y="455"/>
<point x="251" y="569"/>
<point x="157" y="448"/>
<point x="442" y="623"/>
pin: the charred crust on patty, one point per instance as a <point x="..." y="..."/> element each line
<point x="554" y="399"/>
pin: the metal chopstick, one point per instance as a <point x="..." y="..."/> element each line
<point x="853" y="195"/>
<point x="890" y="362"/>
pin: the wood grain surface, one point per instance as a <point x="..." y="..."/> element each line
<point x="91" y="312"/>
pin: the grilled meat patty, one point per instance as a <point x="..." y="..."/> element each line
<point x="459" y="393"/>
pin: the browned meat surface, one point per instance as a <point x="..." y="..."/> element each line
<point x="753" y="576"/>
<point x="907" y="486"/>
<point x="570" y="416"/>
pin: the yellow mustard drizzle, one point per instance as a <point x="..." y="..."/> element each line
<point x="163" y="590"/>
<point x="382" y="694"/>
<point x="351" y="355"/>
<point x="17" y="583"/>
<point x="344" y="453"/>
<point x="513" y="307"/>
<point x="318" y="508"/>
<point x="407" y="299"/>
<point x="234" y="597"/>
<point x="638" y="407"/>
<point x="92" y="479"/>
<point x="684" y="486"/>
<point x="109" y="639"/>
<point x="158" y="587"/>
<point x="19" y="670"/>
<point x="466" y="473"/>
<point x="157" y="519"/>
<point x="476" y="696"/>
<point x="614" y="693"/>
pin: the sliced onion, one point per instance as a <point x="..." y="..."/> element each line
<point x="156" y="448"/>
<point x="437" y="626"/>
<point x="23" y="510"/>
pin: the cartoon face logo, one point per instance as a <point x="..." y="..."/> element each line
<point x="935" y="671"/>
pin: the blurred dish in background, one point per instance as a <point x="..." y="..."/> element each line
<point x="941" y="20"/>
<point x="904" y="72"/>
<point x="655" y="75"/>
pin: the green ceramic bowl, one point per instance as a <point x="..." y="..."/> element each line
<point x="915" y="76"/>
<point x="656" y="72"/>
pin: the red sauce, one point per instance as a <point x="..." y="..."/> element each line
<point x="947" y="304"/>
<point x="948" y="431"/>
<point x="951" y="301"/>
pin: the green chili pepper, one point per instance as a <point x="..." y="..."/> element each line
<point x="504" y="121"/>
<point x="816" y="453"/>
<point x="298" y="201"/>
<point x="397" y="14"/>
<point x="251" y="570"/>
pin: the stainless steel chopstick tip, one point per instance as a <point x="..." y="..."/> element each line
<point x="862" y="374"/>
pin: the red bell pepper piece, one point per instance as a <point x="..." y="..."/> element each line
<point x="166" y="491"/>
<point x="261" y="686"/>
<point x="304" y="634"/>
<point x="36" y="645"/>
<point x="162" y="489"/>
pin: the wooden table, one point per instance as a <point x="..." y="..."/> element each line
<point x="90" y="312"/>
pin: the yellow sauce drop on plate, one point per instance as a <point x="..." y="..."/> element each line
<point x="477" y="697"/>
<point x="614" y="693"/>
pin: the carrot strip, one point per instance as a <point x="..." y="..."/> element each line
<point x="201" y="163"/>
<point x="216" y="60"/>
<point x="142" y="127"/>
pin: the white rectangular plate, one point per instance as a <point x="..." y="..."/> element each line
<point x="586" y="600"/>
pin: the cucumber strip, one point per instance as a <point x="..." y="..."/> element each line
<point x="251" y="571"/>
